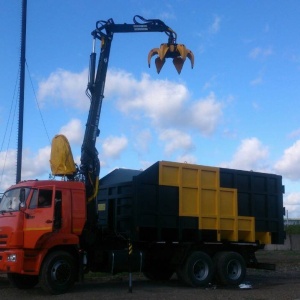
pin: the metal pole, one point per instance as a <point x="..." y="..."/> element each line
<point x="22" y="88"/>
<point x="130" y="249"/>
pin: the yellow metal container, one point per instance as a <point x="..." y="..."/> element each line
<point x="200" y="195"/>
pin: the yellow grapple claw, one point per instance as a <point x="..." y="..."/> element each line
<point x="190" y="56"/>
<point x="152" y="52"/>
<point x="159" y="64"/>
<point x="185" y="53"/>
<point x="182" y="51"/>
<point x="178" y="63"/>
<point x="164" y="48"/>
<point x="178" y="52"/>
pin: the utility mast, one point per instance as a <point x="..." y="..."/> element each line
<point x="21" y="95"/>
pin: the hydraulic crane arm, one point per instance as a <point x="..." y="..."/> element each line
<point x="90" y="165"/>
<point x="152" y="25"/>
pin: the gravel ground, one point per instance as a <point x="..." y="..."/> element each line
<point x="284" y="283"/>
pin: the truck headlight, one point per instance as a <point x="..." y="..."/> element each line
<point x="12" y="257"/>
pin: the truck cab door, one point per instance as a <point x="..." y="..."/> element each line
<point x="39" y="217"/>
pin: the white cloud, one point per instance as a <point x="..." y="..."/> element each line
<point x="259" y="79"/>
<point x="145" y="164"/>
<point x="256" y="81"/>
<point x="119" y="83"/>
<point x="187" y="158"/>
<point x="176" y="140"/>
<point x="142" y="140"/>
<point x="159" y="100"/>
<point x="250" y="155"/>
<point x="289" y="163"/>
<point x="65" y="86"/>
<point x="292" y="204"/>
<point x="164" y="102"/>
<point x="7" y="168"/>
<point x="215" y="26"/>
<point x="73" y="131"/>
<point x="205" y="114"/>
<point x="168" y="13"/>
<point x="259" y="52"/>
<point x="33" y="166"/>
<point x="113" y="146"/>
<point x="210" y="83"/>
<point x="294" y="134"/>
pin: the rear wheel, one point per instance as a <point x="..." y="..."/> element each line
<point x="230" y="268"/>
<point x="58" y="272"/>
<point x="198" y="269"/>
<point x="23" y="282"/>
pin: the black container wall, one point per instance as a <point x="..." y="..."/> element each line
<point x="259" y="195"/>
<point x="142" y="209"/>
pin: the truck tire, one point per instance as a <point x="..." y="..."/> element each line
<point x="23" y="282"/>
<point x="230" y="268"/>
<point x="198" y="269"/>
<point x="58" y="272"/>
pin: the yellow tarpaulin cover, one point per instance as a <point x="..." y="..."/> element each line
<point x="61" y="158"/>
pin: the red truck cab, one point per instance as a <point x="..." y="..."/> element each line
<point x="37" y="217"/>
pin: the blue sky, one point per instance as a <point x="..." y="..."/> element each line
<point x="237" y="108"/>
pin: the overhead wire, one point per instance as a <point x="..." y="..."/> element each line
<point x="37" y="103"/>
<point x="11" y="118"/>
<point x="11" y="115"/>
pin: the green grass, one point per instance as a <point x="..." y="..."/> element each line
<point x="292" y="229"/>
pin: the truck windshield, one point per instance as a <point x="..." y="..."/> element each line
<point x="11" y="199"/>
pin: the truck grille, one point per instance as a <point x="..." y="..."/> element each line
<point x="3" y="239"/>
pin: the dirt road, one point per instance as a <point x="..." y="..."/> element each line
<point x="284" y="283"/>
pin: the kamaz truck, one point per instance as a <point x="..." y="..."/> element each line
<point x="202" y="223"/>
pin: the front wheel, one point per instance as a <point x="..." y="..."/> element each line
<point x="230" y="268"/>
<point x="23" y="282"/>
<point x="58" y="272"/>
